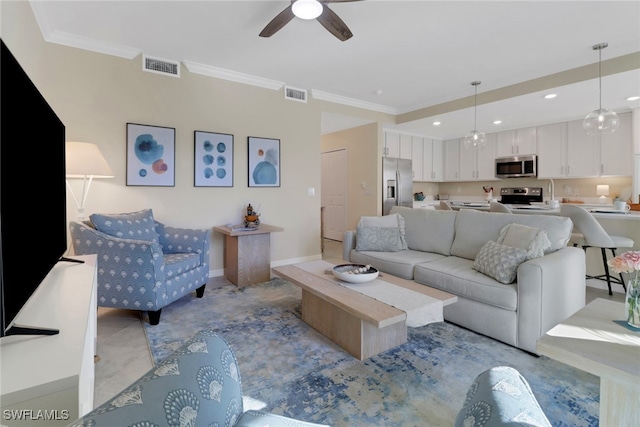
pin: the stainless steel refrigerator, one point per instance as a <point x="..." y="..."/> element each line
<point x="397" y="183"/>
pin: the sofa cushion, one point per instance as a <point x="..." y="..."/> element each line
<point x="381" y="239"/>
<point x="457" y="276"/>
<point x="475" y="228"/>
<point x="134" y="225"/>
<point x="176" y="264"/>
<point x="499" y="261"/>
<point x="381" y="233"/>
<point x="428" y="230"/>
<point x="399" y="264"/>
<point x="533" y="239"/>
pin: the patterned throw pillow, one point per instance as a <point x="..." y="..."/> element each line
<point x="381" y="234"/>
<point x="135" y="225"/>
<point x="534" y="240"/>
<point x="499" y="261"/>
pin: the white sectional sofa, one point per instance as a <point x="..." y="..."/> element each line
<point x="441" y="251"/>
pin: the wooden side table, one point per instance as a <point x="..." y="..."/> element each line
<point x="247" y="254"/>
<point x="590" y="340"/>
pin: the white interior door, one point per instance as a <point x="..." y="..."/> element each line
<point x="334" y="193"/>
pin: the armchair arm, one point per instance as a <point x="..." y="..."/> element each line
<point x="130" y="272"/>
<point x="176" y="240"/>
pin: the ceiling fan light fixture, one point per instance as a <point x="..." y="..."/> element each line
<point x="307" y="9"/>
<point x="600" y="120"/>
<point x="475" y="139"/>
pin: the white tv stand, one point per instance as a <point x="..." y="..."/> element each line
<point x="49" y="380"/>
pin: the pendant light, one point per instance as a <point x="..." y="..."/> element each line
<point x="600" y="120"/>
<point x="474" y="138"/>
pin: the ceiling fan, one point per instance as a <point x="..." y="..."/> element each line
<point x="311" y="9"/>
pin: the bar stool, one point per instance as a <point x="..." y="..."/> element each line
<point x="593" y="235"/>
<point x="498" y="207"/>
<point x="445" y="206"/>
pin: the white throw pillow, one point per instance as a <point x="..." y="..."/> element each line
<point x="533" y="240"/>
<point x="499" y="261"/>
<point x="381" y="233"/>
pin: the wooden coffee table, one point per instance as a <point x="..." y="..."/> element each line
<point x="361" y="325"/>
<point x="590" y="340"/>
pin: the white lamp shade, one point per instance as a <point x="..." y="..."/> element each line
<point x="307" y="9"/>
<point x="84" y="159"/>
<point x="602" y="190"/>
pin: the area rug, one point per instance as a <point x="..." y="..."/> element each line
<point x="288" y="368"/>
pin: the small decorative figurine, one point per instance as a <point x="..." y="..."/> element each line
<point x="252" y="218"/>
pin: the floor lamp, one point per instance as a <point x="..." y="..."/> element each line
<point x="84" y="161"/>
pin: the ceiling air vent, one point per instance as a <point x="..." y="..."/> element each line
<point x="160" y="66"/>
<point x="294" y="94"/>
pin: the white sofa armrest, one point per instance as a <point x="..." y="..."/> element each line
<point x="348" y="243"/>
<point x="550" y="289"/>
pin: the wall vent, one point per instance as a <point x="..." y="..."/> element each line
<point x="160" y="66"/>
<point x="295" y="94"/>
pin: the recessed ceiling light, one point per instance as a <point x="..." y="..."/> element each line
<point x="550" y="96"/>
<point x="633" y="98"/>
<point x="497" y="122"/>
<point x="378" y="91"/>
<point x="436" y="123"/>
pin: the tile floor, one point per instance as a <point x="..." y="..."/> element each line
<point x="123" y="352"/>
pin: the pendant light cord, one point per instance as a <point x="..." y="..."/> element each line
<point x="600" y="75"/>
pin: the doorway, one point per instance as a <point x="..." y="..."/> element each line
<point x="334" y="194"/>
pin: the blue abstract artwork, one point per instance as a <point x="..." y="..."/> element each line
<point x="213" y="159"/>
<point x="264" y="162"/>
<point x="150" y="155"/>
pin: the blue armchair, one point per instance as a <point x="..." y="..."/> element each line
<point x="199" y="384"/>
<point x="143" y="264"/>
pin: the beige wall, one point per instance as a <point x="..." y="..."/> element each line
<point x="362" y="154"/>
<point x="95" y="95"/>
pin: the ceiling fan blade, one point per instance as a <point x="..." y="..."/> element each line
<point x="278" y="22"/>
<point x="334" y="24"/>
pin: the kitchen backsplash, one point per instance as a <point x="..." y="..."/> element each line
<point x="575" y="189"/>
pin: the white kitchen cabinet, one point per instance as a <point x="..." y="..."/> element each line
<point x="417" y="158"/>
<point x="616" y="150"/>
<point x="552" y="151"/>
<point x="391" y="144"/>
<point x="405" y="146"/>
<point x="451" y="149"/>
<point x="582" y="152"/>
<point x="516" y="142"/>
<point x="432" y="159"/>
<point x="397" y="145"/>
<point x="478" y="163"/>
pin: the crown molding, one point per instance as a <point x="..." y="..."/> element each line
<point x="330" y="97"/>
<point x="221" y="73"/>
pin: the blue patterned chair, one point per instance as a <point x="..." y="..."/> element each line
<point x="500" y="396"/>
<point x="199" y="384"/>
<point x="143" y="264"/>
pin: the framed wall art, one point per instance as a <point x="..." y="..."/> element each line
<point x="213" y="159"/>
<point x="264" y="162"/>
<point x="150" y="155"/>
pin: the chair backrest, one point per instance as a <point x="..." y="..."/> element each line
<point x="445" y="206"/>
<point x="498" y="207"/>
<point x="594" y="234"/>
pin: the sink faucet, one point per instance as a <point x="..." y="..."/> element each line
<point x="552" y="189"/>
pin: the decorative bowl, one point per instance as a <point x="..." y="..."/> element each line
<point x="355" y="273"/>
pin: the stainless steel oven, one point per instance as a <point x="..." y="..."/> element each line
<point x="517" y="166"/>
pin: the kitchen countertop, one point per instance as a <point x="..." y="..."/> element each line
<point x="599" y="211"/>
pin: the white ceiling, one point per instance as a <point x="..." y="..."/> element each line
<point x="404" y="55"/>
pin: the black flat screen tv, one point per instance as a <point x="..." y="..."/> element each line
<point x="33" y="220"/>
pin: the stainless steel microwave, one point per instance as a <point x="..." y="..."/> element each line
<point x="517" y="166"/>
